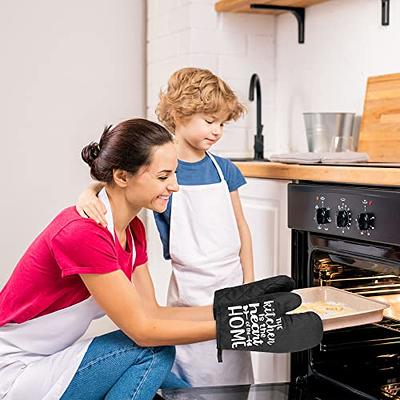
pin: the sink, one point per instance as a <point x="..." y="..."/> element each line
<point x="248" y="159"/>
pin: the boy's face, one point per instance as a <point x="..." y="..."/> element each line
<point x="201" y="131"/>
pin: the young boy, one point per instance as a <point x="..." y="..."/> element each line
<point x="203" y="229"/>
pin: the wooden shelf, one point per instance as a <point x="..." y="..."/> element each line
<point x="243" y="6"/>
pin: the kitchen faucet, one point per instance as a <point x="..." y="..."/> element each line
<point x="258" y="138"/>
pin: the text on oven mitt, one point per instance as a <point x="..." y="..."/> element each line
<point x="261" y="324"/>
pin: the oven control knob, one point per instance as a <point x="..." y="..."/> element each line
<point x="343" y="218"/>
<point x="323" y="216"/>
<point x="366" y="221"/>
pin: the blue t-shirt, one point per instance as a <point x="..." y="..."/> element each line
<point x="201" y="172"/>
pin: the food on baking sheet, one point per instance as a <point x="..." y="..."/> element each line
<point x="393" y="300"/>
<point x="325" y="309"/>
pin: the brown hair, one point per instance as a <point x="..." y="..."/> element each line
<point x="195" y="90"/>
<point x="127" y="146"/>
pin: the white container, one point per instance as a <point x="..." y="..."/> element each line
<point x="363" y="310"/>
<point x="322" y="127"/>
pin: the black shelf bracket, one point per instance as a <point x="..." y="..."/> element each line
<point x="298" y="12"/>
<point x="385" y="12"/>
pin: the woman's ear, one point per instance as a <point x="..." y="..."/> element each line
<point x="121" y="177"/>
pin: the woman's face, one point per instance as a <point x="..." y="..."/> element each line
<point x="152" y="186"/>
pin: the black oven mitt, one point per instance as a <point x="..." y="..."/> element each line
<point x="261" y="324"/>
<point x="235" y="294"/>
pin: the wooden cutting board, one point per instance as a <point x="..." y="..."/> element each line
<point x="380" y="124"/>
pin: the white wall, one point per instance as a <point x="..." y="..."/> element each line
<point x="67" y="68"/>
<point x="344" y="44"/>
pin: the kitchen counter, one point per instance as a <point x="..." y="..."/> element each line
<point x="360" y="175"/>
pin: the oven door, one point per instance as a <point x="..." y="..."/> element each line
<point x="363" y="360"/>
<point x="314" y="390"/>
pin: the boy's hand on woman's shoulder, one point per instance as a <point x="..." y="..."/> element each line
<point x="90" y="206"/>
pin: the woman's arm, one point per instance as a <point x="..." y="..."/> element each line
<point x="144" y="285"/>
<point x="118" y="297"/>
<point x="89" y="205"/>
<point x="246" y="249"/>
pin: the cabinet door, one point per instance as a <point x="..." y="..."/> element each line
<point x="265" y="207"/>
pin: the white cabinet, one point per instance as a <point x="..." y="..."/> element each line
<point x="264" y="203"/>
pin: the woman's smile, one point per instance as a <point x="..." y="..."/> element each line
<point x="164" y="197"/>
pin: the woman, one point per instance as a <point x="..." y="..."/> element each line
<point x="76" y="271"/>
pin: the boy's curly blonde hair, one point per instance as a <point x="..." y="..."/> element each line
<point x="195" y="90"/>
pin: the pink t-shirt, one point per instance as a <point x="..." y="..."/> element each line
<point x="46" y="278"/>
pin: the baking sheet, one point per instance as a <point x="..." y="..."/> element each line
<point x="360" y="310"/>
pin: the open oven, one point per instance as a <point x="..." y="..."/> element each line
<point x="348" y="237"/>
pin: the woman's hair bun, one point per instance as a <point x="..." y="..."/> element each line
<point x="127" y="146"/>
<point x="90" y="153"/>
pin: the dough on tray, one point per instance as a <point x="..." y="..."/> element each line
<point x="325" y="309"/>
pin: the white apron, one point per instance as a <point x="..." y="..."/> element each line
<point x="204" y="249"/>
<point x="39" y="357"/>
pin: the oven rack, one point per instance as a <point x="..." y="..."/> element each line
<point x="371" y="335"/>
<point x="389" y="324"/>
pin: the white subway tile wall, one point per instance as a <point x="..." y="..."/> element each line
<point x="182" y="33"/>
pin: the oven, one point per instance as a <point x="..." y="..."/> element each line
<point x="348" y="237"/>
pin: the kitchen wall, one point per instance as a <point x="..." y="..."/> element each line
<point x="66" y="70"/>
<point x="344" y="44"/>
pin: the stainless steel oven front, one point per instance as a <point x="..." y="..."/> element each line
<point x="349" y="237"/>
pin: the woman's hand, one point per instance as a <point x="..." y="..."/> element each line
<point x="89" y="205"/>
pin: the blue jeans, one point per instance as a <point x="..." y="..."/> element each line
<point x="115" y="368"/>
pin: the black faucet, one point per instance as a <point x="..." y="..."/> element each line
<point x="258" y="138"/>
